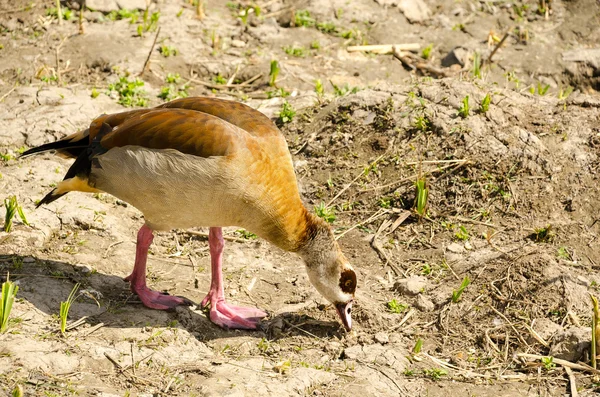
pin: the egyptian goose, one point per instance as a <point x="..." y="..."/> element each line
<point x="212" y="163"/>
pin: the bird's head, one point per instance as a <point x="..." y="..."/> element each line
<point x="337" y="283"/>
<point x="330" y="272"/>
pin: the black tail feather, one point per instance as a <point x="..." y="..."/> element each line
<point x="70" y="146"/>
<point x="50" y="197"/>
<point x="72" y="149"/>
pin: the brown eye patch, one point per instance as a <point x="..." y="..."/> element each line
<point x="348" y="281"/>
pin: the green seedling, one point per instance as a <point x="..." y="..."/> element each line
<point x="246" y="234"/>
<point x="327" y="27"/>
<point x="315" y="45"/>
<point x="544" y="234"/>
<point x="541" y="89"/>
<point x="273" y="73"/>
<point x="263" y="345"/>
<point x="319" y="88"/>
<point x="485" y="103"/>
<point x="418" y="346"/>
<point x="564" y="93"/>
<point x="124" y="13"/>
<point x="477" y="65"/>
<point x="463" y="111"/>
<point x="462" y="233"/>
<point x="287" y="113"/>
<point x="595" y="347"/>
<point x="149" y="23"/>
<point x="563" y="253"/>
<point x="95" y="93"/>
<point x="244" y="14"/>
<point x="422" y="194"/>
<point x="59" y="13"/>
<point x="218" y="79"/>
<point x="426" y="53"/>
<point x="456" y="294"/>
<point x="130" y="92"/>
<point x="280" y="92"/>
<point x="435" y="373"/>
<point x="341" y="91"/>
<point x="396" y="307"/>
<point x="303" y="18"/>
<point x="166" y="51"/>
<point x="65" y="307"/>
<point x="511" y="77"/>
<point x="548" y="363"/>
<point x="9" y="292"/>
<point x="172" y="78"/>
<point x="327" y="213"/>
<point x="17" y="391"/>
<point x="12" y="207"/>
<point x="422" y="123"/>
<point x="171" y="91"/>
<point x="299" y="52"/>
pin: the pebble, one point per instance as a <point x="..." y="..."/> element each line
<point x="411" y="286"/>
<point x="382" y="337"/>
<point x="424" y="304"/>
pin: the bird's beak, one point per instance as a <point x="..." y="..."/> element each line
<point x="345" y="310"/>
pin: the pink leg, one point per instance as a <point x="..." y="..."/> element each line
<point x="137" y="278"/>
<point x="222" y="313"/>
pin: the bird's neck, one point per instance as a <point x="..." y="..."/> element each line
<point x="306" y="234"/>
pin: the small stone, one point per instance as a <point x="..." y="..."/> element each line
<point x="382" y="337"/>
<point x="238" y="43"/>
<point x="457" y="56"/>
<point x="353" y="352"/>
<point x="570" y="344"/>
<point x="424" y="304"/>
<point x="85" y="269"/>
<point x="468" y="245"/>
<point x="545" y="328"/>
<point x="415" y="10"/>
<point x="411" y="286"/>
<point x="456" y="248"/>
<point x="28" y="259"/>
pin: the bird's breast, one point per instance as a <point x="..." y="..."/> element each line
<point x="176" y="190"/>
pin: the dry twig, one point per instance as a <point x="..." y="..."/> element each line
<point x="151" y="51"/>
<point x="385" y="48"/>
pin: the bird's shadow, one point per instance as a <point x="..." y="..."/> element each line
<point x="104" y="298"/>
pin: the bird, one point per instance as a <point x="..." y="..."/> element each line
<point x="205" y="162"/>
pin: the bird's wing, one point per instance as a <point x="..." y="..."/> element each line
<point x="236" y="113"/>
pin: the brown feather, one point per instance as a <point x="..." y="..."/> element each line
<point x="187" y="131"/>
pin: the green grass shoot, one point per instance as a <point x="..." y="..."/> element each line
<point x="9" y="292"/>
<point x="17" y="391"/>
<point x="12" y="207"/>
<point x="65" y="307"/>
<point x="463" y="111"/>
<point x="421" y="197"/>
<point x="418" y="346"/>
<point x="456" y="294"/>
<point x="396" y="307"/>
<point x="477" y="65"/>
<point x="273" y="73"/>
<point x="319" y="88"/>
<point x="325" y="212"/>
<point x="426" y="53"/>
<point x="485" y="103"/>
<point x="595" y="331"/>
<point x="287" y="113"/>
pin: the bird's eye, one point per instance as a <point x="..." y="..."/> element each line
<point x="348" y="281"/>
